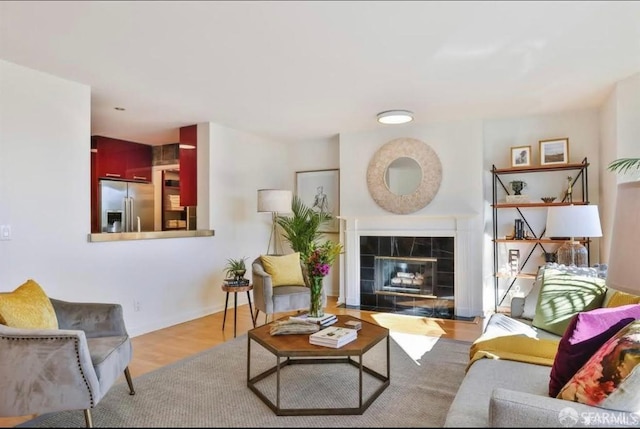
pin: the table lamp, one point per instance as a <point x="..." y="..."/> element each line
<point x="573" y="221"/>
<point x="274" y="201"/>
<point x="623" y="273"/>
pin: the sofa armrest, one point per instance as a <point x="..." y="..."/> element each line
<point x="517" y="306"/>
<point x="95" y="319"/>
<point x="36" y="362"/>
<point x="510" y="408"/>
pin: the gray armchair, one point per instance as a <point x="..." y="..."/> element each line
<point x="271" y="300"/>
<point x="70" y="368"/>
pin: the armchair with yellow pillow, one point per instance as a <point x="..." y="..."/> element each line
<point x="57" y="355"/>
<point x="280" y="284"/>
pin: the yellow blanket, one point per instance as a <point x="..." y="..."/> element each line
<point x="514" y="347"/>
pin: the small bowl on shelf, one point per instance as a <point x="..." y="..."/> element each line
<point x="548" y="199"/>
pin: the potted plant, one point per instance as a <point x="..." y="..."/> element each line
<point x="301" y="229"/>
<point x="622" y="165"/>
<point x="236" y="268"/>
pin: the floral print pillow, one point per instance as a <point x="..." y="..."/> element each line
<point x="611" y="377"/>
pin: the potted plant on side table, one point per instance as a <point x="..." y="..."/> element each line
<point x="235" y="270"/>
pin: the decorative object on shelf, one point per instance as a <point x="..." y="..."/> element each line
<point x="569" y="193"/>
<point x="318" y="263"/>
<point x="517" y="186"/>
<point x="548" y="200"/>
<point x="514" y="261"/>
<point x="623" y="271"/>
<point x="274" y="201"/>
<point x="573" y="221"/>
<point x="518" y="233"/>
<point x="549" y="257"/>
<point x="236" y="268"/>
<point x="383" y="173"/>
<point x="320" y="190"/>
<point x="554" y="151"/>
<point x="521" y="156"/>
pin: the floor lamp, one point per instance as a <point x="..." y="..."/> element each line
<point x="623" y="273"/>
<point x="274" y="201"/>
<point x="573" y="221"/>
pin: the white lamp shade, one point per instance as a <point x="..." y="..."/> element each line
<point x="623" y="273"/>
<point x="274" y="200"/>
<point x="573" y="221"/>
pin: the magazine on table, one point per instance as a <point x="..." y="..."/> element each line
<point x="333" y="336"/>
<point x="326" y="320"/>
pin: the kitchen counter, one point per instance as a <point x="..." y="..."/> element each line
<point x="149" y="235"/>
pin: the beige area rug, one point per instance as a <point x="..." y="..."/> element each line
<point x="210" y="390"/>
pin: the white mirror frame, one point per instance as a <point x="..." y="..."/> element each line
<point x="428" y="161"/>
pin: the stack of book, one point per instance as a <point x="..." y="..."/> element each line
<point x="234" y="282"/>
<point x="324" y="321"/>
<point x="333" y="336"/>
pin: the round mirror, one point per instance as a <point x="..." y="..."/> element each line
<point x="403" y="176"/>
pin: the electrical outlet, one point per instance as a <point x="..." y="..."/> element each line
<point x="136" y="305"/>
<point x="5" y="232"/>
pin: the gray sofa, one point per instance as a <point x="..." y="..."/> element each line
<point x="509" y="393"/>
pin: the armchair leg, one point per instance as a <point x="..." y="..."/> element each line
<point x="87" y="418"/>
<point x="255" y="318"/>
<point x="127" y="375"/>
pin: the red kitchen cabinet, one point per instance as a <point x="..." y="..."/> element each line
<point x="188" y="166"/>
<point x="121" y="159"/>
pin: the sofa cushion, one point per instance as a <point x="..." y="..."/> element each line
<point x="586" y="333"/>
<point x="622" y="298"/>
<point x="285" y="270"/>
<point x="27" y="307"/>
<point x="611" y="377"/>
<point x="563" y="295"/>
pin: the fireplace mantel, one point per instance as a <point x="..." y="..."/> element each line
<point x="456" y="225"/>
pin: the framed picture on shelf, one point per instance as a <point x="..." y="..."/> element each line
<point x="554" y="151"/>
<point x="521" y="156"/>
<point x="320" y="190"/>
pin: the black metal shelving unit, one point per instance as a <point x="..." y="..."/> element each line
<point x="535" y="239"/>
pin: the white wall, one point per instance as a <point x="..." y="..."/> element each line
<point x="44" y="196"/>
<point x="620" y="138"/>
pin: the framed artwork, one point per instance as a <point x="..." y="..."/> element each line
<point x="521" y="156"/>
<point x="554" y="151"/>
<point x="320" y="190"/>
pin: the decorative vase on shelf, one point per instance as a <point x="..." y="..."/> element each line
<point x="315" y="304"/>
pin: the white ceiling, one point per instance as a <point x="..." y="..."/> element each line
<point x="304" y="70"/>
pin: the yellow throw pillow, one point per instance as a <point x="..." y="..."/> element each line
<point x="27" y="307"/>
<point x="284" y="270"/>
<point x="622" y="298"/>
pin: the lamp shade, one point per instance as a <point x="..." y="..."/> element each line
<point x="623" y="273"/>
<point x="274" y="200"/>
<point x="573" y="221"/>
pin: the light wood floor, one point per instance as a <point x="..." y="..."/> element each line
<point x="165" y="346"/>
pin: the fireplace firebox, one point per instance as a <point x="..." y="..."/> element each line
<point x="410" y="275"/>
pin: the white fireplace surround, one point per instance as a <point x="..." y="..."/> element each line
<point x="456" y="226"/>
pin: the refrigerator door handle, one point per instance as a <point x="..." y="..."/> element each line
<point x="127" y="208"/>
<point x="132" y="215"/>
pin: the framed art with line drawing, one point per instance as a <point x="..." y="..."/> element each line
<point x="320" y="190"/>
<point x="554" y="151"/>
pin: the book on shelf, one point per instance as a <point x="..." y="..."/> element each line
<point x="234" y="282"/>
<point x="333" y="336"/>
<point x="326" y="320"/>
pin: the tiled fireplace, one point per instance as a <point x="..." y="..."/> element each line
<point x="408" y="264"/>
<point x="413" y="275"/>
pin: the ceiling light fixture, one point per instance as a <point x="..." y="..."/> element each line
<point x="394" y="117"/>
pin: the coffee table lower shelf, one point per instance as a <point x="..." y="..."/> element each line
<point x="296" y="350"/>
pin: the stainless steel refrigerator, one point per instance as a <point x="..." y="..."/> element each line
<point x="125" y="206"/>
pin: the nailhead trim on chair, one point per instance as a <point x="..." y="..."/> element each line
<point x="77" y="348"/>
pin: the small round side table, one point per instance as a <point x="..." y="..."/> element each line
<point x="235" y="290"/>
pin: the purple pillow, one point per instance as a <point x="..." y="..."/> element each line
<point x="586" y="333"/>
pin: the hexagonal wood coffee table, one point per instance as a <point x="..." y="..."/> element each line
<point x="296" y="350"/>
